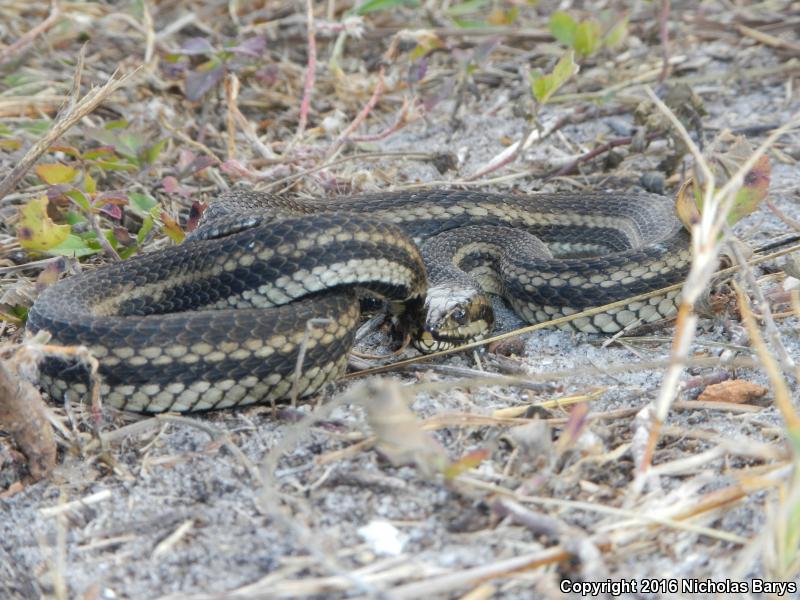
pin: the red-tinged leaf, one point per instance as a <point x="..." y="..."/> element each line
<point x="56" y="193"/>
<point x="112" y="210"/>
<point x="418" y="70"/>
<point x="469" y="461"/>
<point x="197" y="45"/>
<point x="113" y="197"/>
<point x="185" y="158"/>
<point x="171" y="185"/>
<point x="98" y="152"/>
<point x="55" y="173"/>
<point x="195" y="212"/>
<point x="200" y="163"/>
<point x="234" y="167"/>
<point x="68" y="150"/>
<point x="198" y="83"/>
<point x="574" y="427"/>
<point x="172" y="229"/>
<point x="51" y="273"/>
<point x="123" y="236"/>
<point x="752" y="192"/>
<point x="689" y="201"/>
<point x="268" y="75"/>
<point x="253" y="46"/>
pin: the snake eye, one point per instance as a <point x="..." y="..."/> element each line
<point x="459" y="315"/>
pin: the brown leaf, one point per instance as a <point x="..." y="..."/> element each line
<point x="195" y="212"/>
<point x="400" y="436"/>
<point x="735" y="390"/>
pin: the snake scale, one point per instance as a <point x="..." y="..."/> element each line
<point x="262" y="303"/>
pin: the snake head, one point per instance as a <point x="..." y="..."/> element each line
<point x="454" y="316"/>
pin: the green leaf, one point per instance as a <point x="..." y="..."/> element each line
<point x="78" y="198"/>
<point x="126" y="143"/>
<point x="141" y="204"/>
<point x="73" y="246"/>
<point x="376" y="5"/>
<point x="111" y="238"/>
<point x="794" y="438"/>
<point x="129" y="144"/>
<point x="563" y="28"/>
<point x="37" y="128"/>
<point x="544" y="86"/>
<point x="89" y="184"/>
<point x="114" y="165"/>
<point x="73" y="218"/>
<point x="147" y="227"/>
<point x="587" y="38"/>
<point x="465" y="8"/>
<point x="127" y="252"/>
<point x="151" y="153"/>
<point x="120" y="124"/>
<point x="617" y="34"/>
<point x="15" y="79"/>
<point x="465" y="24"/>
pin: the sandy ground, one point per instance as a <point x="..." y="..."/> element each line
<point x="191" y="507"/>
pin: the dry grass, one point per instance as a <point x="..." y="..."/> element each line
<point x="502" y="475"/>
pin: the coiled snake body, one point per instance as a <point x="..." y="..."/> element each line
<point x="223" y="319"/>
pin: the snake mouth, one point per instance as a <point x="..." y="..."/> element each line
<point x="429" y="342"/>
<point x="454" y="322"/>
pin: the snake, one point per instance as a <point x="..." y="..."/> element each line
<point x="262" y="302"/>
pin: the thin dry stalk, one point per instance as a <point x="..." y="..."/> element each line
<point x="783" y="395"/>
<point x="216" y="435"/>
<point x="451" y="582"/>
<point x="663" y="31"/>
<point x="235" y="117"/>
<point x="360" y="117"/>
<point x="301" y="355"/>
<point x="308" y="87"/>
<point x="61" y="125"/>
<point x="510" y="154"/>
<point x="9" y="52"/>
<point x="706" y="244"/>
